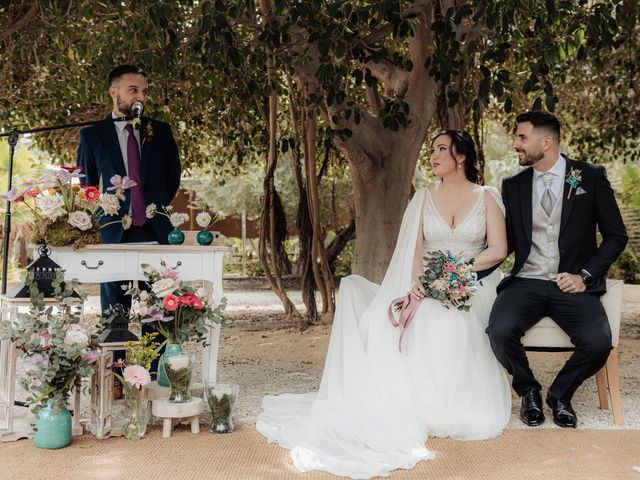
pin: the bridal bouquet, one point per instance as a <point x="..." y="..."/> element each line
<point x="446" y="278"/>
<point x="67" y="213"/>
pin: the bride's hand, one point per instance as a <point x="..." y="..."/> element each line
<point x="417" y="292"/>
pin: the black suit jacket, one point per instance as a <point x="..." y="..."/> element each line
<point x="581" y="213"/>
<point x="99" y="155"/>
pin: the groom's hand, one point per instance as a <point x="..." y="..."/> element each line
<point x="570" y="283"/>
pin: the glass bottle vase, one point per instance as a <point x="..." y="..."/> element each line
<point x="179" y="369"/>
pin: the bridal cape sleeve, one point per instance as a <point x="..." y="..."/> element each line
<point x="361" y="423"/>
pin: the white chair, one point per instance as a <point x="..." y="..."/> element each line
<point x="547" y="336"/>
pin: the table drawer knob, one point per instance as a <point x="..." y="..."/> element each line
<point x="84" y="264"/>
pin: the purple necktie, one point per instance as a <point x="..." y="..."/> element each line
<point x="138" y="208"/>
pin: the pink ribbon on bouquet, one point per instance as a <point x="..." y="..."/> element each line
<point x="407" y="312"/>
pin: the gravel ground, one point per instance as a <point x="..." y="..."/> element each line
<point x="266" y="354"/>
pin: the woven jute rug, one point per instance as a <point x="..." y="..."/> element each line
<point x="517" y="454"/>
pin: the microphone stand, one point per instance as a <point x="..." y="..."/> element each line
<point x="14" y="135"/>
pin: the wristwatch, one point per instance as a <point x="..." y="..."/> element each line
<point x="586" y="277"/>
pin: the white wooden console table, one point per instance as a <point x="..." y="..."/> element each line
<point x="111" y="262"/>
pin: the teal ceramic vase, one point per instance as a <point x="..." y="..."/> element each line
<point x="171" y="350"/>
<point x="53" y="427"/>
<point x="204" y="237"/>
<point x="176" y="237"/>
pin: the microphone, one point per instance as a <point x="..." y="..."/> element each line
<point x="137" y="108"/>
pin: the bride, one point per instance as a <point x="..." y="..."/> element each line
<point x="377" y="404"/>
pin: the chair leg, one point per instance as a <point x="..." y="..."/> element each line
<point x="601" y="382"/>
<point x="614" y="387"/>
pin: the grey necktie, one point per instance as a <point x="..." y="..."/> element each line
<point x="548" y="198"/>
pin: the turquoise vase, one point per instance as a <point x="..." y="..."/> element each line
<point x="176" y="237"/>
<point x="205" y="237"/>
<point x="53" y="427"/>
<point x="171" y="350"/>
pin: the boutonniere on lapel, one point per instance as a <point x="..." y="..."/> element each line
<point x="574" y="178"/>
<point x="147" y="133"/>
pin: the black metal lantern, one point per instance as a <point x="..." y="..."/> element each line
<point x="118" y="329"/>
<point x="43" y="271"/>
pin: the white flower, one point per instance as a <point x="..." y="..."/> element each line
<point x="51" y="206"/>
<point x="151" y="210"/>
<point x="178" y="219"/>
<point x="81" y="220"/>
<point x="203" y="293"/>
<point x="203" y="219"/>
<point x="144" y="296"/>
<point x="77" y="337"/>
<point x="165" y="286"/>
<point x="109" y="203"/>
<point x="126" y="221"/>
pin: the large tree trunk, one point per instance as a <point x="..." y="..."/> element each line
<point x="380" y="196"/>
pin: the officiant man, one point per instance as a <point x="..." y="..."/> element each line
<point x="146" y="153"/>
<point x="552" y="210"/>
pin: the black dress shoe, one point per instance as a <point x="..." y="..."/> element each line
<point x="531" y="409"/>
<point x="563" y="414"/>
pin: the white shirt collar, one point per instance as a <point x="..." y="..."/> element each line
<point x="558" y="169"/>
<point x="119" y="125"/>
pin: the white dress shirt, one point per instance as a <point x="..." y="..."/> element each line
<point x="558" y="172"/>
<point x="123" y="137"/>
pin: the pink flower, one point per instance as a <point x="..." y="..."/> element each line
<point x="136" y="376"/>
<point x="186" y="299"/>
<point x="449" y="267"/>
<point x="196" y="303"/>
<point x="170" y="302"/>
<point x="91" y="356"/>
<point x="170" y="273"/>
<point x="91" y="194"/>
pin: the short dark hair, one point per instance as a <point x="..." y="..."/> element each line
<point x="121" y="70"/>
<point x="541" y="119"/>
<point x="463" y="144"/>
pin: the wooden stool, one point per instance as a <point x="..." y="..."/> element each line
<point x="172" y="412"/>
<point x="152" y="392"/>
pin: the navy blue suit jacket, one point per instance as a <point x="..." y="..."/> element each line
<point x="99" y="155"/>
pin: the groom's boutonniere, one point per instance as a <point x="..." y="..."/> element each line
<point x="574" y="178"/>
<point x="147" y="134"/>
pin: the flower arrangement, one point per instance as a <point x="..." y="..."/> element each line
<point x="574" y="179"/>
<point x="176" y="218"/>
<point x="56" y="344"/>
<point x="204" y="219"/>
<point x="135" y="369"/>
<point x="448" y="279"/>
<point x="67" y="213"/>
<point x="179" y="311"/>
<point x="135" y="375"/>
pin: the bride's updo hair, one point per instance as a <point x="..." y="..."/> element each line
<point x="463" y="144"/>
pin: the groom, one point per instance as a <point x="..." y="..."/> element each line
<point x="552" y="209"/>
<point x="146" y="153"/>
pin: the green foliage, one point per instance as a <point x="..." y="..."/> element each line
<point x="56" y="343"/>
<point x="626" y="267"/>
<point x="630" y="180"/>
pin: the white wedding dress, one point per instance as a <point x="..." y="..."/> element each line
<point x="377" y="405"/>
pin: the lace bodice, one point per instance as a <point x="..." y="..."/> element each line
<point x="466" y="240"/>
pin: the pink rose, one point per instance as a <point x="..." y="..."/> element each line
<point x="449" y="267"/>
